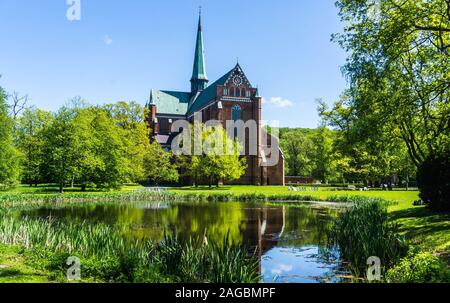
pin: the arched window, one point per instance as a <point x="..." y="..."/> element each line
<point x="236" y="113"/>
<point x="232" y="92"/>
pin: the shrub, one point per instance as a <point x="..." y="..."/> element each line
<point x="363" y="231"/>
<point x="433" y="178"/>
<point x="419" y="268"/>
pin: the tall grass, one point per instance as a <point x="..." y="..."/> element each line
<point x="109" y="257"/>
<point x="10" y="200"/>
<point x="364" y="230"/>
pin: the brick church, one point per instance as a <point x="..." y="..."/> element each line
<point x="231" y="97"/>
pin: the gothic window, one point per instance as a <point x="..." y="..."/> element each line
<point x="236" y="113"/>
<point x="247" y="93"/>
<point x="225" y="91"/>
<point x="232" y="92"/>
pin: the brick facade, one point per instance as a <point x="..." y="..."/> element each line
<point x="216" y="102"/>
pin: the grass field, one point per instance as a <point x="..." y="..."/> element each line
<point x="14" y="268"/>
<point x="47" y="189"/>
<point x="404" y="198"/>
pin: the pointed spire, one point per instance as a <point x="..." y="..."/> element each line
<point x="151" y="97"/>
<point x="199" y="79"/>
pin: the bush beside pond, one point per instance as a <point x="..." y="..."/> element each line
<point x="419" y="268"/>
<point x="364" y="230"/>
<point x="434" y="181"/>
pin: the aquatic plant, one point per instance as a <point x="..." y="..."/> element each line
<point x="107" y="255"/>
<point x="364" y="230"/>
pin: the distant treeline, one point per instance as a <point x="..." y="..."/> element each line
<point x="91" y="146"/>
<point x="326" y="155"/>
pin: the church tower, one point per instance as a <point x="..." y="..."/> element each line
<point x="199" y="80"/>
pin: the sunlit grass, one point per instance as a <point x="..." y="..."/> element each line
<point x="13" y="268"/>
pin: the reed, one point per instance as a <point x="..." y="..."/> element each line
<point x="19" y="200"/>
<point x="364" y="230"/>
<point x="108" y="256"/>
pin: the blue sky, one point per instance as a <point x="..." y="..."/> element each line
<point x="120" y="49"/>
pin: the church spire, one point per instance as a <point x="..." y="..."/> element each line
<point x="199" y="80"/>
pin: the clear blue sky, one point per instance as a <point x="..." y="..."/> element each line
<point x="120" y="49"/>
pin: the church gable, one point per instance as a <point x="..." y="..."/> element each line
<point x="237" y="78"/>
<point x="237" y="85"/>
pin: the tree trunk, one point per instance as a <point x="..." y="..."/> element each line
<point x="61" y="187"/>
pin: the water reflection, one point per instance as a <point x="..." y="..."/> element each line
<point x="290" y="241"/>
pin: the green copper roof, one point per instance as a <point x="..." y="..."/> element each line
<point x="199" y="71"/>
<point x="208" y="94"/>
<point x="170" y="102"/>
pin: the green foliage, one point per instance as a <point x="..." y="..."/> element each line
<point x="106" y="255"/>
<point x="398" y="70"/>
<point x="434" y="181"/>
<point x="298" y="149"/>
<point x="158" y="165"/>
<point x="9" y="156"/>
<point x="419" y="268"/>
<point x="134" y="136"/>
<point x="220" y="158"/>
<point x="214" y="262"/>
<point x="30" y="138"/>
<point x="364" y="231"/>
<point x="100" y="147"/>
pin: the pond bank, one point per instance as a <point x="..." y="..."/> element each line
<point x="13" y="200"/>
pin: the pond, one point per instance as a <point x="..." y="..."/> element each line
<point x="291" y="241"/>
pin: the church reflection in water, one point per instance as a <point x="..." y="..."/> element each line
<point x="277" y="233"/>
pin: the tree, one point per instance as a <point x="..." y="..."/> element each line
<point x="298" y="149"/>
<point x="398" y="69"/>
<point x="158" y="165"/>
<point x="324" y="156"/>
<point x="31" y="128"/>
<point x="220" y="157"/>
<point x="102" y="155"/>
<point x="63" y="148"/>
<point x="18" y="104"/>
<point x="434" y="181"/>
<point x="130" y="118"/>
<point x="9" y="156"/>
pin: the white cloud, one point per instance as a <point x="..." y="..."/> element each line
<point x="282" y="268"/>
<point x="108" y="40"/>
<point x="278" y="102"/>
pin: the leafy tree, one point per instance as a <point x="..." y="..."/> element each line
<point x="299" y="152"/>
<point x="324" y="156"/>
<point x="9" y="156"/>
<point x="398" y="69"/>
<point x="63" y="148"/>
<point x="31" y="142"/>
<point x="434" y="181"/>
<point x="130" y="118"/>
<point x="102" y="155"/>
<point x="158" y="165"/>
<point x="220" y="158"/>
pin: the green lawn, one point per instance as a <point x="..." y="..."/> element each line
<point x="13" y="267"/>
<point x="404" y="198"/>
<point x="52" y="189"/>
